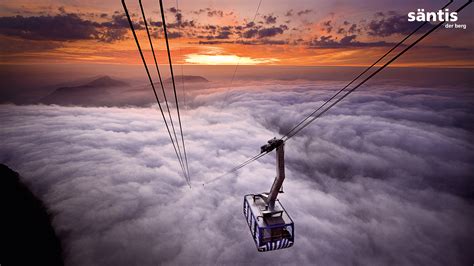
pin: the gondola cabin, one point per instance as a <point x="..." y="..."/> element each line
<point x="270" y="230"/>
<point x="270" y="225"/>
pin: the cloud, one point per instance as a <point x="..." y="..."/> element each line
<point x="390" y="23"/>
<point x="211" y="33"/>
<point x="179" y="18"/>
<point x="270" y="32"/>
<point x="349" y="28"/>
<point x="347" y="41"/>
<point x="270" y="19"/>
<point x="267" y="41"/>
<point x="174" y="34"/>
<point x="304" y="12"/>
<point x="250" y="33"/>
<point x="249" y="42"/>
<point x="156" y="23"/>
<point x="384" y="178"/>
<point x="58" y="28"/>
<point x="119" y="21"/>
<point x="326" y="26"/>
<point x="215" y="13"/>
<point x="173" y="9"/>
<point x="220" y="33"/>
<point x="353" y="29"/>
<point x="265" y="32"/>
<point x="290" y="12"/>
<point x="211" y="12"/>
<point x="223" y="35"/>
<point x="65" y="27"/>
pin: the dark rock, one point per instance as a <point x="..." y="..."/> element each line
<point x="26" y="233"/>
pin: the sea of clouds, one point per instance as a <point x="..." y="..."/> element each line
<point x="384" y="178"/>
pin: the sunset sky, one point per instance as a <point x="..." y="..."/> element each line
<point x="300" y="32"/>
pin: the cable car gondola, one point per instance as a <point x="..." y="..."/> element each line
<point x="269" y="223"/>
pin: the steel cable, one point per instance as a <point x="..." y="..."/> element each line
<point x="362" y="73"/>
<point x="151" y="83"/>
<point x="371" y="75"/>
<point x="286" y="137"/>
<point x="174" y="88"/>
<point x="161" y="80"/>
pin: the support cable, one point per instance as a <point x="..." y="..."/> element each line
<point x="238" y="59"/>
<point x="362" y="73"/>
<point x="180" y="54"/>
<point x="174" y="88"/>
<point x="256" y="157"/>
<point x="370" y="76"/>
<point x="287" y="137"/>
<point x="161" y="80"/>
<point x="152" y="85"/>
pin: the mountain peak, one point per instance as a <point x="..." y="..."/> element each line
<point x="106" y="81"/>
<point x="188" y="78"/>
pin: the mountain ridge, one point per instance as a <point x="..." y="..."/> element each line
<point x="188" y="79"/>
<point x="84" y="94"/>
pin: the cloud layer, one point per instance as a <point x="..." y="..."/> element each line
<point x="64" y="26"/>
<point x="383" y="179"/>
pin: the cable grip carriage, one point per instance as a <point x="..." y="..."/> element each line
<point x="269" y="223"/>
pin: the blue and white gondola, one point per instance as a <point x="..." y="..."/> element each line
<point x="270" y="231"/>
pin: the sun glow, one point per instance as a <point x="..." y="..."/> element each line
<point x="203" y="59"/>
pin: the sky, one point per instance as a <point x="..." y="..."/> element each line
<point x="384" y="178"/>
<point x="303" y="33"/>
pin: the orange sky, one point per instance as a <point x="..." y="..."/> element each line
<point x="212" y="33"/>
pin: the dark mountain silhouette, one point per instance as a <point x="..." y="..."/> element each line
<point x="106" y="81"/>
<point x="106" y="91"/>
<point x="94" y="92"/>
<point x="26" y="232"/>
<point x="188" y="79"/>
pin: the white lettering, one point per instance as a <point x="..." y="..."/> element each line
<point x="440" y="15"/>
<point x="454" y="17"/>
